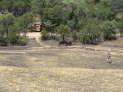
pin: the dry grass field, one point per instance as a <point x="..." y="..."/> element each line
<point x="61" y="69"/>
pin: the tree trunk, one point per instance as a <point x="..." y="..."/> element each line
<point x="63" y="37"/>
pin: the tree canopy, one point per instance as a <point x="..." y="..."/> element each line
<point x="79" y="16"/>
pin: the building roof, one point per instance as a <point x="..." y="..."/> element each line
<point x="38" y="22"/>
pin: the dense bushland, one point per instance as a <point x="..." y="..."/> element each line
<point x="87" y="21"/>
<point x="15" y="19"/>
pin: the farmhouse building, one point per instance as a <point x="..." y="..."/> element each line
<point x="37" y="26"/>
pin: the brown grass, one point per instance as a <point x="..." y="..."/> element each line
<point x="61" y="70"/>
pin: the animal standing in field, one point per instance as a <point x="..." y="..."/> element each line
<point x="109" y="58"/>
<point x="66" y="43"/>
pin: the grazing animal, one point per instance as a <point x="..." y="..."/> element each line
<point x="65" y="43"/>
<point x="61" y="42"/>
<point x="109" y="58"/>
<point x="69" y="43"/>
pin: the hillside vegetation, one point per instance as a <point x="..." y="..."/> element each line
<point x="87" y="21"/>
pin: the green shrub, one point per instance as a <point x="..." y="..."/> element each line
<point x="74" y="36"/>
<point x="90" y="34"/>
<point x="16" y="40"/>
<point x="44" y="34"/>
<point x="120" y="25"/>
<point x="22" y="41"/>
<point x="3" y="41"/>
<point x="109" y="30"/>
<point x="63" y="30"/>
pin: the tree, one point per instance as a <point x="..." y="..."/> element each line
<point x="54" y="17"/>
<point x="120" y="25"/>
<point x="103" y="10"/>
<point x="11" y="27"/>
<point x="117" y="5"/>
<point x="52" y="12"/>
<point x="109" y="29"/>
<point x="16" y="7"/>
<point x="75" y="16"/>
<point x="97" y="1"/>
<point x="90" y="34"/>
<point x="6" y="21"/>
<point x="63" y="30"/>
<point x="24" y="22"/>
<point x="103" y="13"/>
